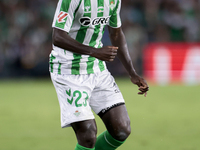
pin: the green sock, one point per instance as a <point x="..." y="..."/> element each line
<point x="79" y="147"/>
<point x="106" y="142"/>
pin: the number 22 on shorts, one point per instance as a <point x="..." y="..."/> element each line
<point x="76" y="96"/>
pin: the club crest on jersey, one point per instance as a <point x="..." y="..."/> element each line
<point x="77" y="113"/>
<point x="112" y="5"/>
<point x="86" y="21"/>
<point x="62" y="16"/>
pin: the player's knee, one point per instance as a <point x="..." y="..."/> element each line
<point x="123" y="131"/>
<point x="88" y="137"/>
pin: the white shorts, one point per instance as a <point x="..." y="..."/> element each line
<point x="78" y="94"/>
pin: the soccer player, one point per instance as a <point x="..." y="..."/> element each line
<point x="79" y="74"/>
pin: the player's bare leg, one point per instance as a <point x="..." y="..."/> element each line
<point x="85" y="132"/>
<point x="117" y="123"/>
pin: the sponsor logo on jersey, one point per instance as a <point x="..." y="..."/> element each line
<point x="100" y="20"/>
<point x="100" y="9"/>
<point x="62" y="16"/>
<point x="86" y="21"/>
<point x="112" y="5"/>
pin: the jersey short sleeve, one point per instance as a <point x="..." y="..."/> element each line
<point x="115" y="20"/>
<point x="64" y="14"/>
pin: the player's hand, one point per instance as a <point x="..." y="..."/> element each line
<point x="107" y="53"/>
<point x="141" y="83"/>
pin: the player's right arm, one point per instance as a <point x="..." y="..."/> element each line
<point x="61" y="39"/>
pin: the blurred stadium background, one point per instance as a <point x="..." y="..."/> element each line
<point x="163" y="38"/>
<point x="25" y="38"/>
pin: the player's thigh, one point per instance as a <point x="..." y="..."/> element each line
<point x="73" y="95"/>
<point x="117" y="122"/>
<point x="106" y="94"/>
<point x="117" y="116"/>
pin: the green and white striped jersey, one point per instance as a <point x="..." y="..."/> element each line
<point x="84" y="21"/>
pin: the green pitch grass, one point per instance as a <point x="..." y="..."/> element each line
<point x="167" y="119"/>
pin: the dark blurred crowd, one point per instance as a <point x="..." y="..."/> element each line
<point x="25" y="37"/>
<point x="25" y="31"/>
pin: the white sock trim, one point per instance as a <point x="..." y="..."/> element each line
<point x="108" y="141"/>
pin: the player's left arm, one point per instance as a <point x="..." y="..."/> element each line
<point x="118" y="39"/>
